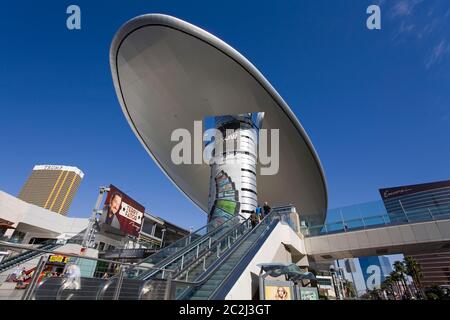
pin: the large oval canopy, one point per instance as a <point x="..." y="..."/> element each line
<point x="168" y="73"/>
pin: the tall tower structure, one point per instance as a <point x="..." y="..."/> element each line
<point x="52" y="187"/>
<point x="233" y="188"/>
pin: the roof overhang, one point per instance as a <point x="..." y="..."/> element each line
<point x="168" y="73"/>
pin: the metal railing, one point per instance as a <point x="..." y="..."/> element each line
<point x="36" y="284"/>
<point x="19" y="256"/>
<point x="433" y="213"/>
<point x="191" y="251"/>
<point x="210" y="256"/>
<point x="223" y="250"/>
<point x="115" y="285"/>
<point x="182" y="243"/>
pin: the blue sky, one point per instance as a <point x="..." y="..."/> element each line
<point x="376" y="104"/>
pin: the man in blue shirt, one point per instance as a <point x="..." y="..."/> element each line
<point x="259" y="212"/>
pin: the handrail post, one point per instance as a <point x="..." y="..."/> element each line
<point x="404" y="211"/>
<point x="119" y="284"/>
<point x="198" y="248"/>
<point x="182" y="262"/>
<point x="167" y="294"/>
<point x="34" y="281"/>
<point x="431" y="215"/>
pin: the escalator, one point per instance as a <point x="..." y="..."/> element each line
<point x="176" y="256"/>
<point x="204" y="265"/>
<point x="218" y="279"/>
<point x="156" y="267"/>
<point x="26" y="256"/>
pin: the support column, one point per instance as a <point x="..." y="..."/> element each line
<point x="233" y="188"/>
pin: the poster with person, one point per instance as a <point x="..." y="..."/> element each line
<point x="278" y="292"/>
<point x="122" y="213"/>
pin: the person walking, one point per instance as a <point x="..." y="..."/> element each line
<point x="21" y="279"/>
<point x="259" y="213"/>
<point x="266" y="209"/>
<point x="254" y="219"/>
<point x="73" y="277"/>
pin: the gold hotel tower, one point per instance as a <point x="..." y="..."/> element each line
<point x="52" y="187"/>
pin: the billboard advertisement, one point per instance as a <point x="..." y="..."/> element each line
<point x="121" y="214"/>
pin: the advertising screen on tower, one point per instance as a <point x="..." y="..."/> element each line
<point x="121" y="214"/>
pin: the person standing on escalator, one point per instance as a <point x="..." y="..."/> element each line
<point x="254" y="219"/>
<point x="259" y="213"/>
<point x="266" y="209"/>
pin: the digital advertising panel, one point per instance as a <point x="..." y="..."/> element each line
<point x="121" y="214"/>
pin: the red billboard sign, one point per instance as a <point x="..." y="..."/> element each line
<point x="121" y="213"/>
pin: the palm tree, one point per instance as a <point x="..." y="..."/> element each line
<point x="414" y="270"/>
<point x="350" y="289"/>
<point x="400" y="269"/>
<point x="388" y="286"/>
<point x="398" y="288"/>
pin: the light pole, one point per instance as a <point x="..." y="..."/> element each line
<point x="162" y="237"/>
<point x="88" y="232"/>
<point x="335" y="283"/>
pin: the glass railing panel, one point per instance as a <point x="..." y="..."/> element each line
<point x="334" y="227"/>
<point x="209" y="229"/>
<point x="355" y="224"/>
<point x="418" y="215"/>
<point x="180" y="262"/>
<point x="374" y="221"/>
<point x="440" y="212"/>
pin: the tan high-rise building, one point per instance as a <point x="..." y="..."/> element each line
<point x="52" y="187"/>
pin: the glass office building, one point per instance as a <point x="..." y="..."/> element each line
<point x="419" y="202"/>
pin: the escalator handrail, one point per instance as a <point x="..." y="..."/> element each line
<point x="230" y="273"/>
<point x="246" y="221"/>
<point x="45" y="243"/>
<point x="197" y="283"/>
<point x="171" y="259"/>
<point x="23" y="257"/>
<point x="212" y="270"/>
<point x="275" y="210"/>
<point x="184" y="239"/>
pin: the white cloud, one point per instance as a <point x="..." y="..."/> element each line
<point x="404" y="8"/>
<point x="438" y="52"/>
